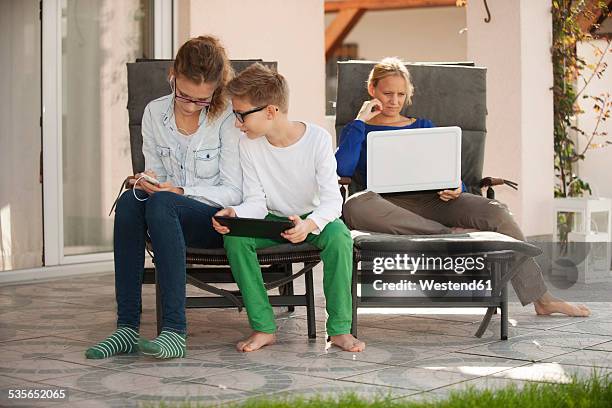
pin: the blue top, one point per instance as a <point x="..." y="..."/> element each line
<point x="352" y="148"/>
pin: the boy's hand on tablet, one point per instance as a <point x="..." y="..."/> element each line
<point x="369" y="109"/>
<point x="226" y="212"/>
<point x="300" y="230"/>
<point x="448" y="195"/>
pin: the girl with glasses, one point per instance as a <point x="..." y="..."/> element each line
<point x="190" y="146"/>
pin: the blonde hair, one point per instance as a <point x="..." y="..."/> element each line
<point x="203" y="59"/>
<point x="391" y="66"/>
<point x="261" y="86"/>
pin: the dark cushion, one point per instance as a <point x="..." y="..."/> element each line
<point x="148" y="80"/>
<point x="449" y="95"/>
<point x="476" y="242"/>
<point x="472" y="159"/>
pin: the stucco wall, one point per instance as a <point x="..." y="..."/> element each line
<point x="288" y="31"/>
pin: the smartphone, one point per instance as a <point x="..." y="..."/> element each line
<point x="150" y="179"/>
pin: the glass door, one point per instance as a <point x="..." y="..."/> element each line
<point x="86" y="145"/>
<point x="98" y="38"/>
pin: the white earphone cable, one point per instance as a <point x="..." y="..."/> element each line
<point x="134" y="190"/>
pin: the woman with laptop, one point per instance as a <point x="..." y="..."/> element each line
<point x="441" y="212"/>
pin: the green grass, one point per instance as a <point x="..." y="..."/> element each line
<point x="593" y="392"/>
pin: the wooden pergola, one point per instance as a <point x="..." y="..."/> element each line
<point x="594" y="17"/>
<point x="350" y="11"/>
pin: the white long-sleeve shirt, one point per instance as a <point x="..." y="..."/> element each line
<point x="292" y="180"/>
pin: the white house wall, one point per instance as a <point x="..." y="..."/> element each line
<point x="288" y="31"/>
<point x="597" y="167"/>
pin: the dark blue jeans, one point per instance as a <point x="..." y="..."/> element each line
<point x="173" y="222"/>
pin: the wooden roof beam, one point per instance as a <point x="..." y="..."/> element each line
<point x="332" y="6"/>
<point x="339" y="28"/>
<point x="591" y="15"/>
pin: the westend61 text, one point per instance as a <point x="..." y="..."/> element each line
<point x="429" y="285"/>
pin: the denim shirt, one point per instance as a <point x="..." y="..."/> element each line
<point x="210" y="170"/>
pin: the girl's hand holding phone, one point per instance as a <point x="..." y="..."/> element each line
<point x="147" y="181"/>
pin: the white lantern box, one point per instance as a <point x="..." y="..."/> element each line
<point x="589" y="238"/>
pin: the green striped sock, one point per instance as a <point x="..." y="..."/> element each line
<point x="168" y="344"/>
<point x="123" y="340"/>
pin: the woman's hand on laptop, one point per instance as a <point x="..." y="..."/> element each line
<point x="448" y="195"/>
<point x="226" y="212"/>
<point x="369" y="109"/>
<point x="300" y="230"/>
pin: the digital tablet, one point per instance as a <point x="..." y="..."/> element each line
<point x="253" y="227"/>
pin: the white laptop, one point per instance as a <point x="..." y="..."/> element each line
<point x="414" y="159"/>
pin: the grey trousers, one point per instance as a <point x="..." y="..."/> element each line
<point x="425" y="213"/>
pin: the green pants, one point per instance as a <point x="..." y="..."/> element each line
<point x="336" y="248"/>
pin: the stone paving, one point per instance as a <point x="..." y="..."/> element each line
<point x="45" y="328"/>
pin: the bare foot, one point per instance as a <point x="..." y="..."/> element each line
<point x="348" y="343"/>
<point x="240" y="345"/>
<point x="256" y="341"/>
<point x="548" y="304"/>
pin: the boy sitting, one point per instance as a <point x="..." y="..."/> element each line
<point x="289" y="172"/>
